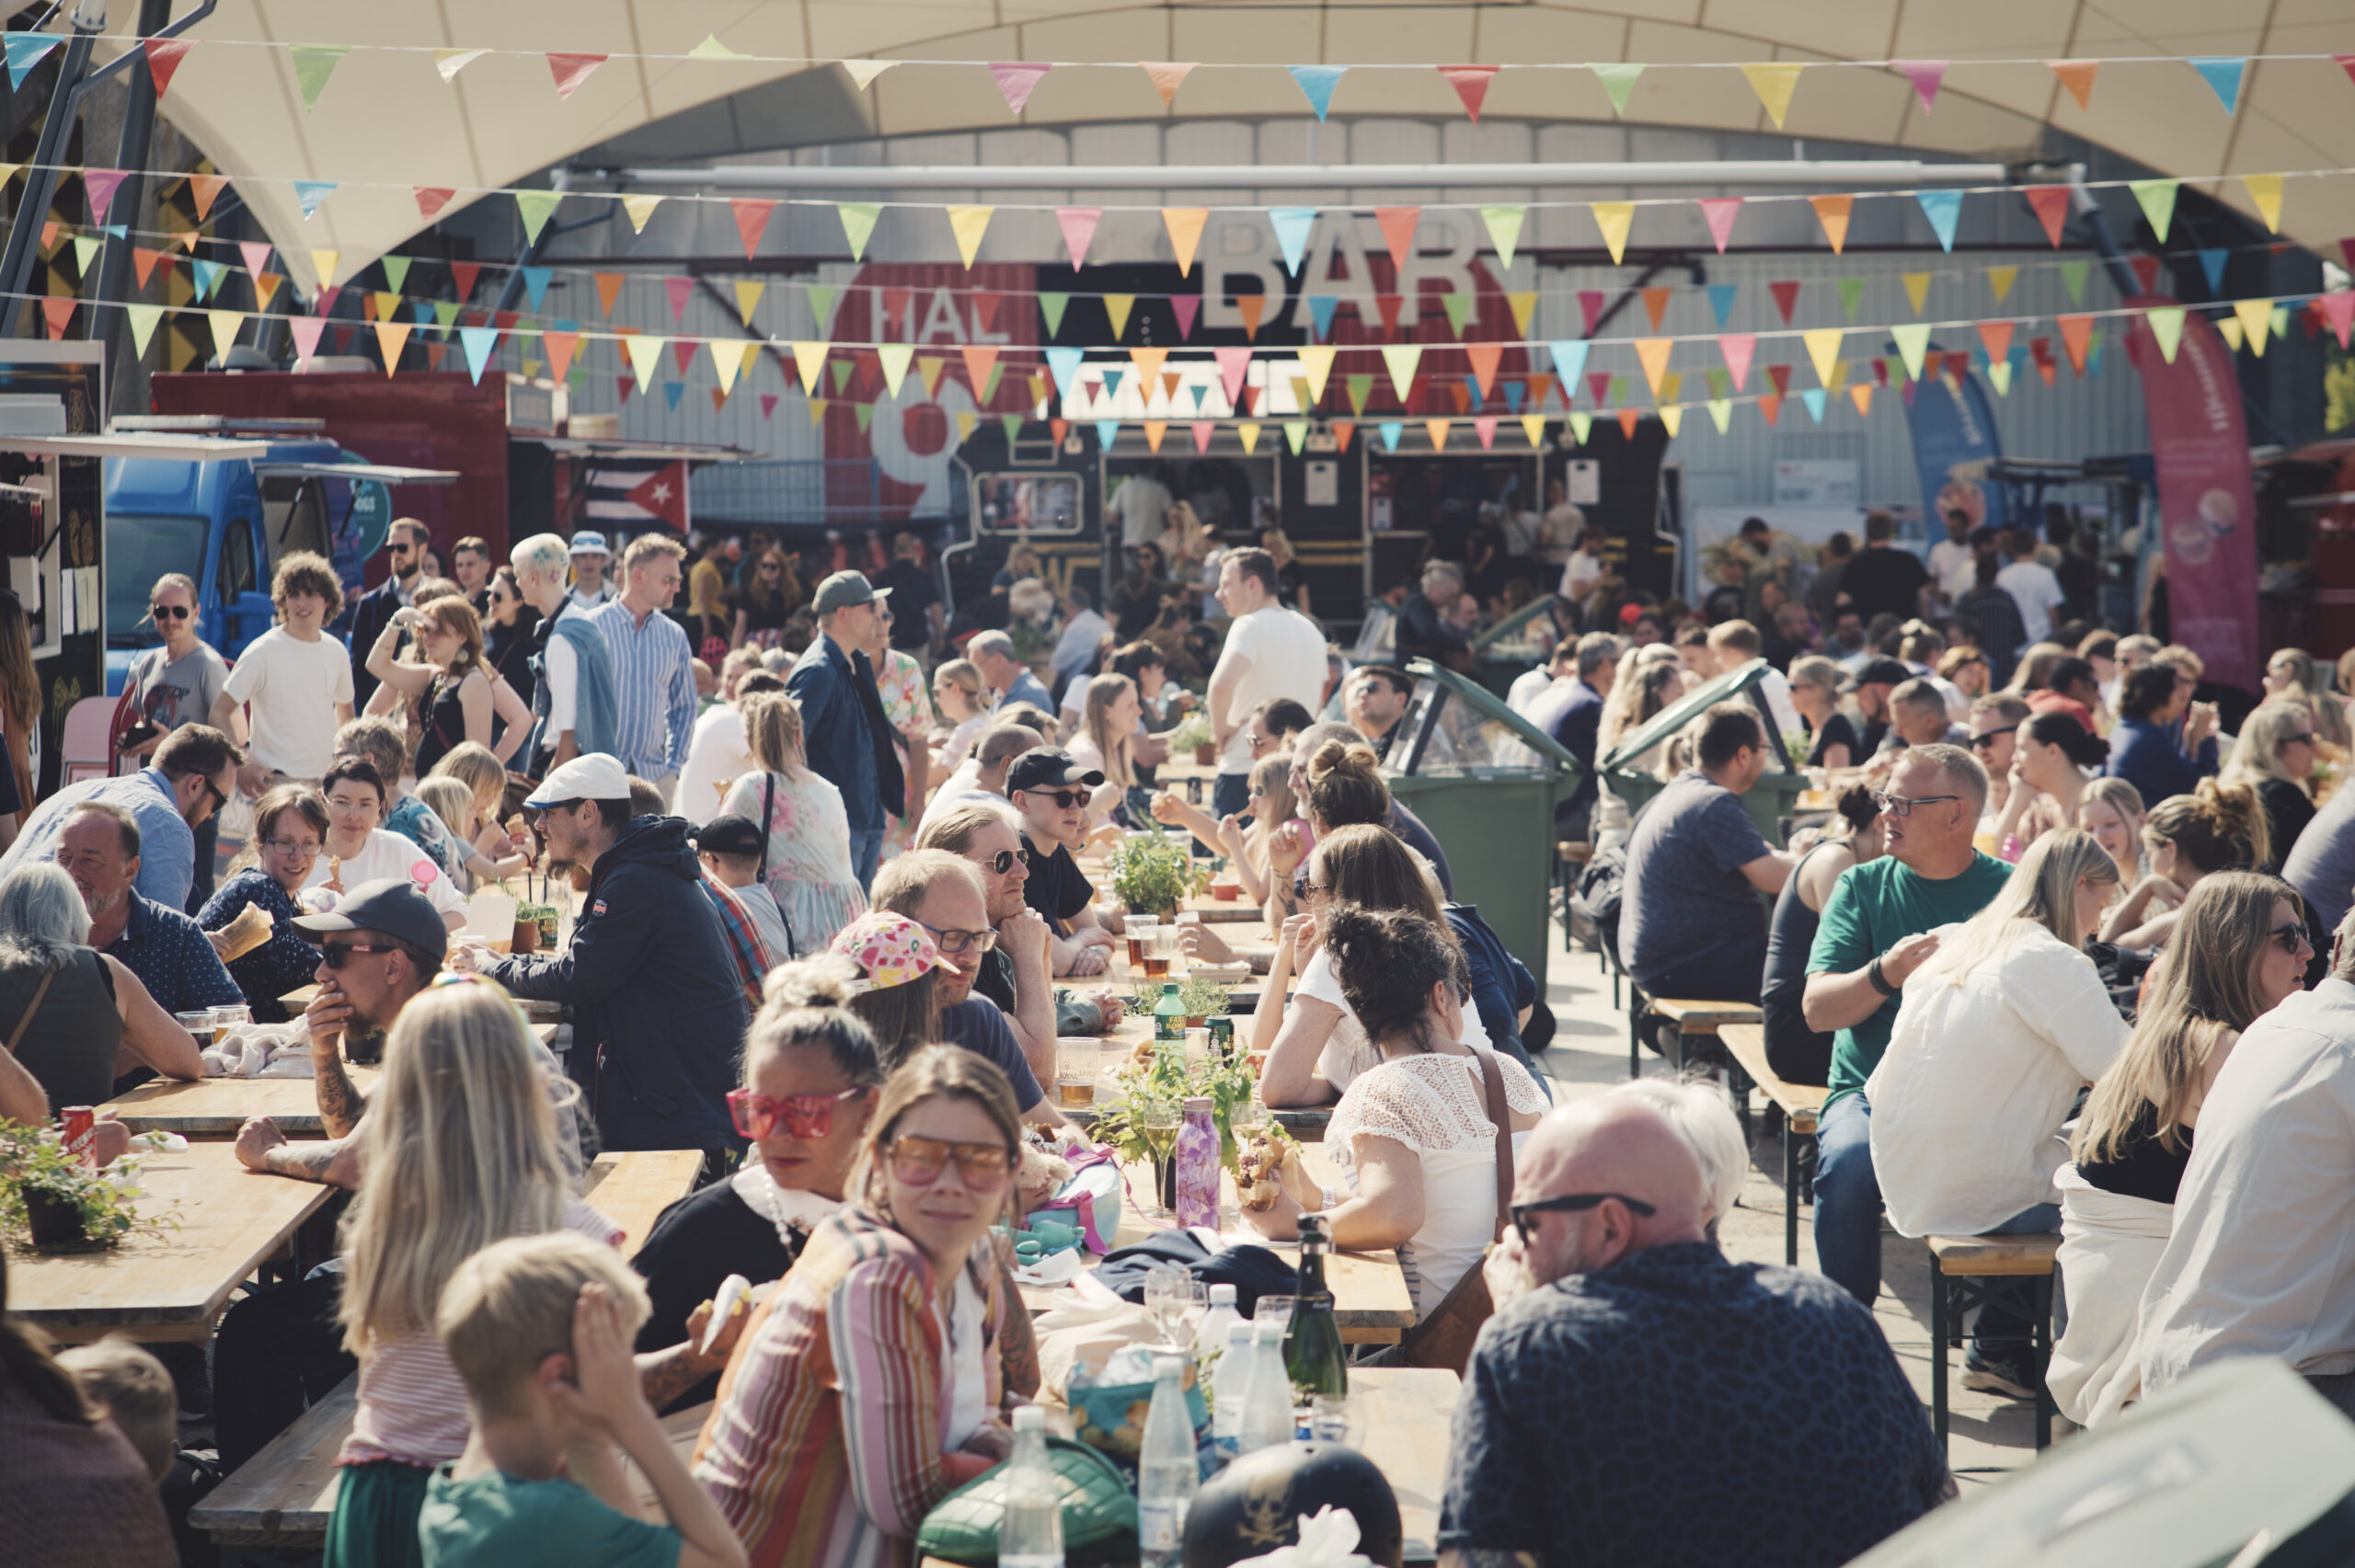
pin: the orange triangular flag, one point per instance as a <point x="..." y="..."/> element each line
<point x="609" y="289"/>
<point x="1831" y="211"/>
<point x="1148" y="364"/>
<point x="1185" y="226"/>
<point x="2077" y="75"/>
<point x="1154" y="430"/>
<point x="1629" y="419"/>
<point x="1251" y="307"/>
<point x="1652" y="353"/>
<point x="1861" y="394"/>
<point x="1437" y="430"/>
<point x="2077" y="338"/>
<point x="1655" y="305"/>
<point x="204" y="187"/>
<point x="1997" y="337"/>
<point x="1166" y="74"/>
<point x="1399" y="229"/>
<point x="1484" y="357"/>
<point x="980" y="359"/>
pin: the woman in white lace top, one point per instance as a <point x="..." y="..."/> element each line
<point x="809" y="867"/>
<point x="1412" y="1134"/>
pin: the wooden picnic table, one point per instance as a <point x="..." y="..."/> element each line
<point x="632" y="1189"/>
<point x="539" y="1012"/>
<point x="171" y="1285"/>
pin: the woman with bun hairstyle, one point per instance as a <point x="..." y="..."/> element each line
<point x="2218" y="827"/>
<point x="2275" y="756"/>
<point x="2047" y="781"/>
<point x="810" y="1074"/>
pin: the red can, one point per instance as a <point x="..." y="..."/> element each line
<point x="79" y="1123"/>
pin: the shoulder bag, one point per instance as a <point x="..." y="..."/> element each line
<point x="40" y="994"/>
<point x="1445" y="1338"/>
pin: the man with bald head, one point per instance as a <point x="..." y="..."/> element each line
<point x="1651" y="1402"/>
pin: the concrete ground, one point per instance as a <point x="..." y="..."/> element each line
<point x="1988" y="1435"/>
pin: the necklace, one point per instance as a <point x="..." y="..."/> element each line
<point x="794" y="1211"/>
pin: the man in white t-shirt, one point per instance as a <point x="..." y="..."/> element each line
<point x="296" y="678"/>
<point x="1272" y="651"/>
<point x="2031" y="584"/>
<point x="1734" y="644"/>
<point x="1952" y="559"/>
<point x="1143" y="505"/>
<point x="591" y="555"/>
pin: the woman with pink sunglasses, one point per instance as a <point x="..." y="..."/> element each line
<point x="811" y="1073"/>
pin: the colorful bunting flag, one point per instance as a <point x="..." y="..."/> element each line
<point x="1737" y="348"/>
<point x="2265" y="190"/>
<point x="859" y="223"/>
<point x="25" y="50"/>
<point x="2256" y="317"/>
<point x="1504" y="228"/>
<point x="1570" y="361"/>
<point x="1292" y="225"/>
<point x="864" y="72"/>
<point x="569" y="71"/>
<point x="1050" y="310"/>
<point x="1773" y="84"/>
<point x="1401" y="359"/>
<point x="431" y="199"/>
<point x="2077" y="75"/>
<point x="1925" y="75"/>
<point x="1079" y="230"/>
<point x="313" y="63"/>
<point x="1017" y="79"/>
<point x="1116" y="310"/>
<point x="1786" y="296"/>
<point x="205" y="188"/>
<point x="1619" y="80"/>
<point x="1523" y="302"/>
<point x="1652" y="354"/>
<point x="2051" y="203"/>
<point x="1831" y="211"/>
<point x="1185" y="226"/>
<point x="2073" y="278"/>
<point x="1719" y="212"/>
<point x="1913" y="341"/>
<point x="1317" y="83"/>
<point x="1823" y="347"/>
<point x="1471" y="84"/>
<point x="1398" y="225"/>
<point x="1943" y="209"/>
<point x="2338" y="309"/>
<point x="1166" y="76"/>
<point x="2000" y="280"/>
<point x="1614" y="219"/>
<point x="224" y="325"/>
<point x="2157" y="197"/>
<point x="1852" y="293"/>
<point x="1317" y="361"/>
<point x="1721" y="298"/>
<point x="2222" y="72"/>
<point x="751" y="215"/>
<point x="968" y="224"/>
<point x="448" y="63"/>
<point x="535" y="206"/>
<point x="894" y="358"/>
<point x="309" y="193"/>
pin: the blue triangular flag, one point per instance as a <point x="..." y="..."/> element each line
<point x="1316" y="83"/>
<point x="119" y="230"/>
<point x="1942" y="208"/>
<point x="672" y="392"/>
<point x="2093" y="353"/>
<point x="311" y="192"/>
<point x="1199" y="392"/>
<point x="1472" y="385"/>
<point x="1065" y="363"/>
<point x="2212" y="262"/>
<point x="1113" y="377"/>
<point x="535" y="283"/>
<point x="1291" y="225"/>
<point x="1721" y="296"/>
<point x="2220" y="72"/>
<point x="478" y="342"/>
<point x="421" y="312"/>
<point x="1106" y="430"/>
<point x="1813" y="398"/>
<point x="1391" y="430"/>
<point x="1514" y="392"/>
<point x="207" y="276"/>
<point x="1569" y="360"/>
<point x="26" y="50"/>
<point x="1322" y="307"/>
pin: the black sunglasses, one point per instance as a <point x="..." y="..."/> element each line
<point x="220" y="801"/>
<point x="1002" y="862"/>
<point x="1064" y="799"/>
<point x="1986" y="741"/>
<point x="333" y="954"/>
<point x="2290" y="934"/>
<point x="1574" y="1203"/>
<point x="174" y="611"/>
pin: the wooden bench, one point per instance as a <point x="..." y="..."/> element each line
<point x="1569" y="855"/>
<point x="2012" y="1272"/>
<point x="1684" y="1019"/>
<point x="1800" y="1104"/>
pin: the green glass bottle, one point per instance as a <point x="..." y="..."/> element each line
<point x="1313" y="1352"/>
<point x="1169" y="1023"/>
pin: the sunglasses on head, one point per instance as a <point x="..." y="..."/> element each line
<point x="1574" y="1203"/>
<point x="919" y="1162"/>
<point x="756" y="1115"/>
<point x="172" y="611"/>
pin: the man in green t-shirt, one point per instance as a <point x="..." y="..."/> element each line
<point x="1877" y="929"/>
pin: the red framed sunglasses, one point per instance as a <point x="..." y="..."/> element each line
<point x="756" y="1115"/>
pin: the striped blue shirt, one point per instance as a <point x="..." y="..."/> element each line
<point x="654" y="689"/>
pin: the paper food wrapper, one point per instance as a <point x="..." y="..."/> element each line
<point x="251" y="929"/>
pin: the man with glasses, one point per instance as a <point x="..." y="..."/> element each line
<point x="174" y="684"/>
<point x="1878" y="926"/>
<point x="1996" y="721"/>
<point x="373" y="611"/>
<point x="1641" y="1356"/>
<point x="1374" y="699"/>
<point x="1051" y="793"/>
<point x="187" y="780"/>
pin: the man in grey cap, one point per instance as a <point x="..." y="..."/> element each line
<point x="845" y="733"/>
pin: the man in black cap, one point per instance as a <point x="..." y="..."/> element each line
<point x="730" y="849"/>
<point x="1871" y="687"/>
<point x="845" y="733"/>
<point x="1050" y="792"/>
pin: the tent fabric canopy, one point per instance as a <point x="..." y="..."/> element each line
<point x="386" y="124"/>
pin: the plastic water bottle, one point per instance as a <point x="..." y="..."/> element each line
<point x="1230" y="1388"/>
<point x="1168" y="1473"/>
<point x="1210" y="1337"/>
<point x="1031" y="1535"/>
<point x="1267" y="1404"/>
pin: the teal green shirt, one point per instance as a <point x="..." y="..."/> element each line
<point x="504" y="1521"/>
<point x="1873" y="907"/>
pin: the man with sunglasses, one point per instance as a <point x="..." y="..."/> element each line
<point x="405" y="544"/>
<point x="1640" y="1354"/>
<point x="173" y="685"/>
<point x="187" y="782"/>
<point x="1051" y="793"/>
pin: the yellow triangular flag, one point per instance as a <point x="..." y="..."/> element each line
<point x="1672" y="415"/>
<point x="2000" y="279"/>
<point x="864" y="72"/>
<point x="323" y="263"/>
<point x="1999" y="376"/>
<point x="966" y="420"/>
<point x="1917" y="288"/>
<point x="929" y="369"/>
<point x="1248" y="433"/>
<point x="1524" y="305"/>
<point x="895" y="357"/>
<point x="1670" y="385"/>
<point x="639" y="209"/>
<point x="2256" y="317"/>
<point x="2265" y="189"/>
<point x="808" y="359"/>
<point x="1774" y="84"/>
<point x="728" y="359"/>
<point x="1437" y="430"/>
<point x="748" y="294"/>
<point x="391" y="337"/>
<point x="1823" y="347"/>
<point x="818" y="406"/>
<point x="970" y="223"/>
<point x="1534" y="427"/>
<point x="2229" y="329"/>
<point x="1652" y="353"/>
<point x="1402" y="358"/>
<point x="645" y="359"/>
<point x="1613" y="218"/>
<point x="450" y="62"/>
<point x="1720" y="413"/>
<point x="1185" y="226"/>
<point x="224" y="327"/>
<point x="1117" y="306"/>
<point x="1317" y="361"/>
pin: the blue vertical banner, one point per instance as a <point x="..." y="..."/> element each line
<point x="1953" y="427"/>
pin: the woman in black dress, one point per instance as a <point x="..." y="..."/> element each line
<point x="766" y="602"/>
<point x="507" y="634"/>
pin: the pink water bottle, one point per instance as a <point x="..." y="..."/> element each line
<point x="1198" y="1166"/>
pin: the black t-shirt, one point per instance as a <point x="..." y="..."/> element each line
<point x="912" y="592"/>
<point x="1884" y="580"/>
<point x="1836" y="731"/>
<point x="977" y="1025"/>
<point x="695" y="1244"/>
<point x="2144" y="1168"/>
<point x="996" y="979"/>
<point x="2288" y="809"/>
<point x="1057" y="890"/>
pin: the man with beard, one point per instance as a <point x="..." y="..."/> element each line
<point x="98" y="848"/>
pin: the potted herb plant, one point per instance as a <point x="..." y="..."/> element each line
<point x="1193" y="733"/>
<point x="1152" y="874"/>
<point x="1204" y="999"/>
<point x="49" y="1196"/>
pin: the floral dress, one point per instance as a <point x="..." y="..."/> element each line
<point x="415" y="821"/>
<point x="906" y="704"/>
<point x="809" y="844"/>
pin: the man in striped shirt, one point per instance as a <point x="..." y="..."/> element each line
<point x="654" y="684"/>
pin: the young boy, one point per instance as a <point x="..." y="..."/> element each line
<point x="540" y="1328"/>
<point x="296" y="678"/>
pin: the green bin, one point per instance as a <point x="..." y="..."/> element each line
<point x="1772" y="798"/>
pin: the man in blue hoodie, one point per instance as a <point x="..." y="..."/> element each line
<point x="658" y="1012"/>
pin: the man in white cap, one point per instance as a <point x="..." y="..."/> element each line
<point x="659" y="1009"/>
<point x="591" y="554"/>
<point x="845" y="736"/>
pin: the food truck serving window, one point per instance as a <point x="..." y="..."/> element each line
<point x="1034" y="504"/>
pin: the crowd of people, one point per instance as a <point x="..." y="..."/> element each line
<point x="823" y="835"/>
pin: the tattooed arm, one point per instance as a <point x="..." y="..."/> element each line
<point x="261" y="1147"/>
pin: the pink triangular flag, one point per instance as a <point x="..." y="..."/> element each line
<point x="101" y="185"/>
<point x="679" y="291"/>
<point x="751" y="221"/>
<point x="2338" y="309"/>
<point x="1203" y="431"/>
<point x="1738" y="347"/>
<point x="1471" y="84"/>
<point x="306" y="330"/>
<point x="1233" y="365"/>
<point x="571" y="70"/>
<point x="1925" y="75"/>
<point x="768" y="404"/>
<point x="431" y="198"/>
<point x="257" y="255"/>
<point x="1185" y="307"/>
<point x="1720" y="210"/>
<point x="1017" y="79"/>
<point x="1079" y="230"/>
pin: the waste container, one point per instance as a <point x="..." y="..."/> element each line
<point x="1485" y="781"/>
<point x="1772" y="798"/>
<point x="1508" y="650"/>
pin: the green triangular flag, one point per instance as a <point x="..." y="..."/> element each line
<point x="841" y="368"/>
<point x="1580" y="425"/>
<point x="314" y="63"/>
<point x="989" y="383"/>
<point x="535" y="206"/>
<point x="1999" y="376"/>
<point x="1721" y="413"/>
<point x="1618" y="81"/>
<point x="2073" y="274"/>
<point x="396" y="271"/>
<point x="895" y="357"/>
<point x="445" y="313"/>
<point x="859" y="223"/>
<point x="1360" y="387"/>
<point x="866" y="412"/>
<point x="712" y="48"/>
<point x="1051" y="306"/>
<point x="143" y="323"/>
<point x="1618" y="391"/>
<point x="1295" y="431"/>
<point x="2157" y="197"/>
<point x="85" y="250"/>
<point x="1012" y="424"/>
<point x="1912" y="341"/>
<point x="1459" y="310"/>
<point x="1852" y="291"/>
<point x="821" y="305"/>
<point x="1504" y="229"/>
<point x="1720" y="382"/>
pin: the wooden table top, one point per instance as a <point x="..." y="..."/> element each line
<point x="632" y="1189"/>
<point x="217" y="1107"/>
<point x="168" y="1286"/>
<point x="537" y="1011"/>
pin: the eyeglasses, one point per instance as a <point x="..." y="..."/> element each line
<point x="756" y="1115"/>
<point x="351" y="807"/>
<point x="953" y="940"/>
<point x="2290" y="934"/>
<point x="2305" y="740"/>
<point x="333" y="954"/>
<point x="1902" y="805"/>
<point x="1315" y="887"/>
<point x="1574" y="1203"/>
<point x="172" y="611"/>
<point x="1064" y="799"/>
<point x="919" y="1162"/>
<point x="291" y="846"/>
<point x="1985" y="741"/>
<point x="1002" y="862"/>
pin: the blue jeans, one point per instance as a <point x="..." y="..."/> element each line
<point x="1847" y="1198"/>
<point x="2000" y="1335"/>
<point x="1230" y="794"/>
<point x="865" y="853"/>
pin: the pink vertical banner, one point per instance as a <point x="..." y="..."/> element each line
<point x="2207" y="505"/>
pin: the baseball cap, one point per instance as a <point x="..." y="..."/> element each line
<point x="728" y="835"/>
<point x="589" y="542"/>
<point x="389" y="904"/>
<point x="844" y="590"/>
<point x="1046" y="767"/>
<point x="1879" y="672"/>
<point x="890" y="950"/>
<point x="595" y="776"/>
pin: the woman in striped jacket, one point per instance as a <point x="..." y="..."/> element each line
<point x="872" y="1383"/>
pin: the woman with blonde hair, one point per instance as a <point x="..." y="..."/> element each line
<point x="1965" y="667"/>
<point x="1832" y="743"/>
<point x="2035" y="672"/>
<point x="2112" y="810"/>
<point x="2218" y="827"/>
<point x="490" y="853"/>
<point x="2292" y="675"/>
<point x="458" y="1150"/>
<point x="1647" y="685"/>
<point x="959" y="692"/>
<point x="806" y="856"/>
<point x="2244" y="951"/>
<point x="452" y="685"/>
<point x="1107" y="744"/>
<point x="2274" y="755"/>
<point x="1185" y="543"/>
<point x="870" y="1386"/>
<point x="1998" y="1031"/>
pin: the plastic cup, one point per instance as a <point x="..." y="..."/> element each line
<point x="1075" y="1065"/>
<point x="198" y="1024"/>
<point x="230" y="1017"/>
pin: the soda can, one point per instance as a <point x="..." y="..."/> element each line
<point x="1222" y="1037"/>
<point x="79" y="1125"/>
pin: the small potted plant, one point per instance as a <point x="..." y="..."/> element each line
<point x="1152" y="874"/>
<point x="1204" y="999"/>
<point x="1193" y="733"/>
<point x="58" y="1204"/>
